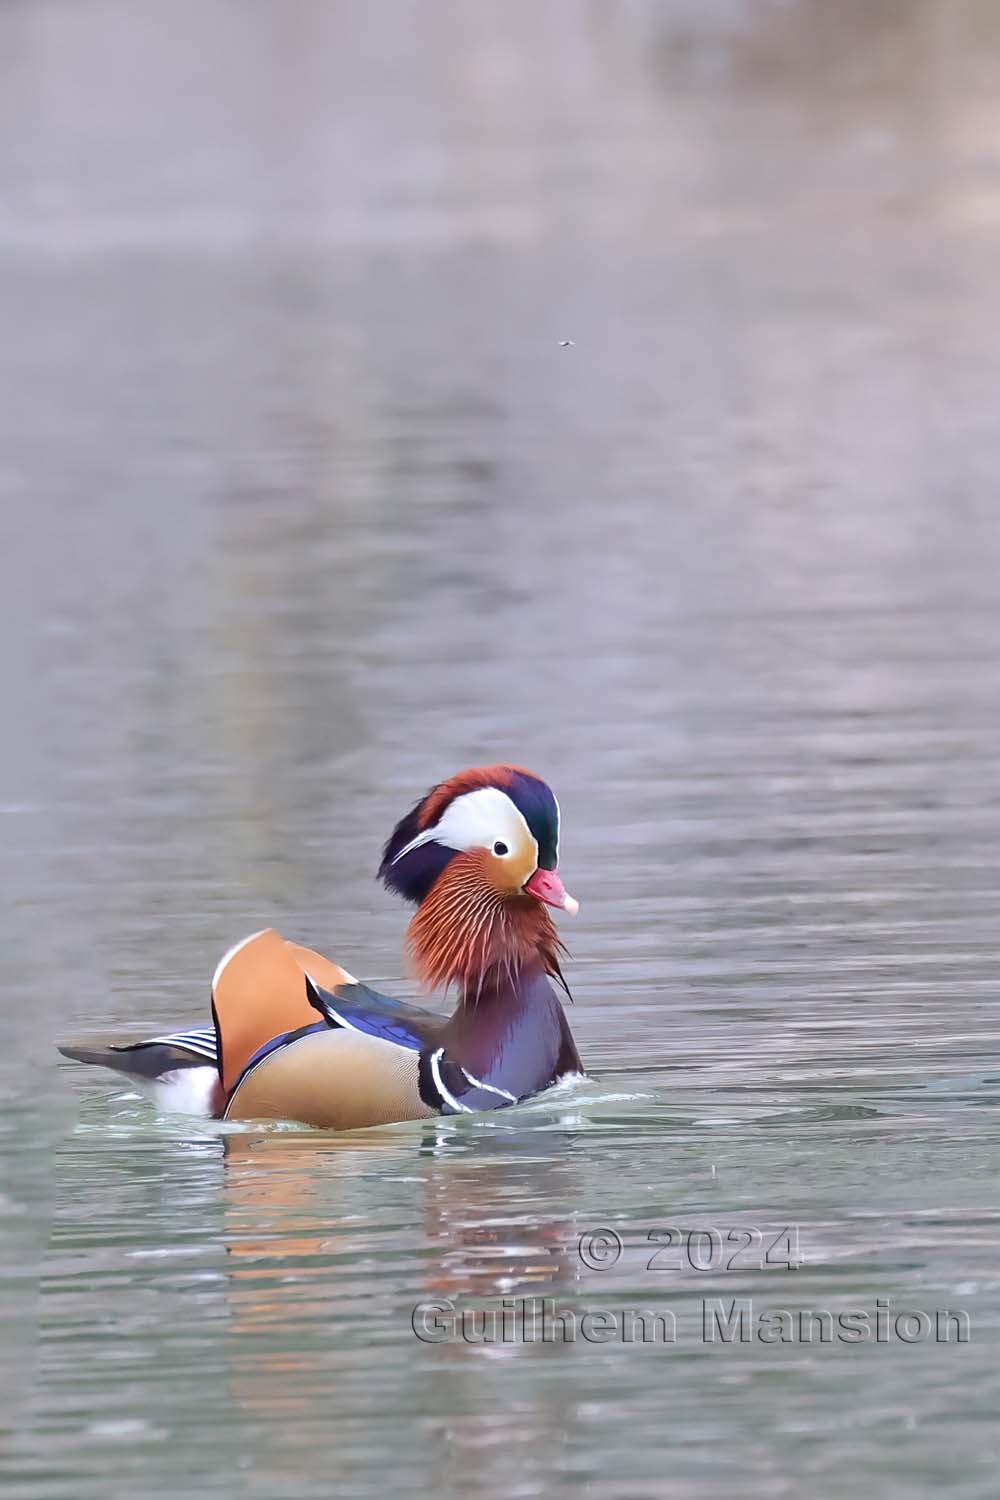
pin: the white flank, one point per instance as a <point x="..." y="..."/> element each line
<point x="186" y="1091"/>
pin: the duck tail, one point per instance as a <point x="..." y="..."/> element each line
<point x="148" y="1059"/>
<point x="180" y="1075"/>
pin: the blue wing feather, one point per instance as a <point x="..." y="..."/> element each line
<point x="361" y="1009"/>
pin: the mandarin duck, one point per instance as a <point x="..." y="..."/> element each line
<point x="296" y="1037"/>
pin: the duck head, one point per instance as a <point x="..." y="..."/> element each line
<point x="479" y="856"/>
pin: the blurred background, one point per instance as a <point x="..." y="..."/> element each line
<point x="608" y="385"/>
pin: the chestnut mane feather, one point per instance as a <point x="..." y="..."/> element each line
<point x="465" y="928"/>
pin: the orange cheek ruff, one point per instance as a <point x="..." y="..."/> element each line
<point x="468" y="923"/>
<point x="507" y="873"/>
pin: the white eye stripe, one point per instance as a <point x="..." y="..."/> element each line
<point x="476" y="820"/>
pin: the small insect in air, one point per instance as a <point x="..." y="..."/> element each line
<point x="567" y="344"/>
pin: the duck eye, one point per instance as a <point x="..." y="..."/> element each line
<point x="500" y="847"/>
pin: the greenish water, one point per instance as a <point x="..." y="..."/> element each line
<point x="304" y="506"/>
